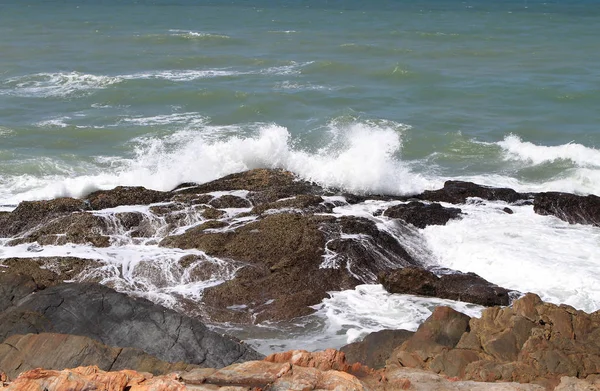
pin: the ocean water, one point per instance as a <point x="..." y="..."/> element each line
<point x="375" y="97"/>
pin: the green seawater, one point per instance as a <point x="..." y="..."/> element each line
<point x="101" y="93"/>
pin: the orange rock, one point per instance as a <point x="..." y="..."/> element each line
<point x="92" y="378"/>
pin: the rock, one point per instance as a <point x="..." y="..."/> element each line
<point x="457" y="192"/>
<point x="468" y="287"/>
<point x="264" y="185"/>
<point x="20" y="353"/>
<point x="229" y="201"/>
<point x="124" y="195"/>
<point x="471" y="288"/>
<point x="14" y="287"/>
<point x="30" y="214"/>
<point x="531" y="342"/>
<point x="410" y="280"/>
<point x="92" y="378"/>
<point x="303" y="203"/>
<point x="508" y="210"/>
<point x="115" y="319"/>
<point x="49" y="271"/>
<point x="78" y="227"/>
<point x="375" y="348"/>
<point x="284" y="256"/>
<point x="571" y="208"/>
<point x="421" y="215"/>
<point x="251" y="373"/>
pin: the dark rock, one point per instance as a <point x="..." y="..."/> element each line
<point x="264" y="185"/>
<point x="48" y="271"/>
<point x="410" y="280"/>
<point x="20" y="353"/>
<point x="304" y="203"/>
<point x="14" y="287"/>
<point x="283" y="254"/>
<point x="421" y="215"/>
<point x="78" y="227"/>
<point x="457" y="192"/>
<point x="471" y="288"/>
<point x="467" y="287"/>
<point x="531" y="342"/>
<point x="229" y="201"/>
<point x="508" y="210"/>
<point x="124" y="195"/>
<point x="30" y="214"/>
<point x="115" y="319"/>
<point x="571" y="208"/>
<point x="375" y="348"/>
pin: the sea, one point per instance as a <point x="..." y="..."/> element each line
<point x="379" y="96"/>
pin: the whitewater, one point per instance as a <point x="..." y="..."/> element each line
<point x="379" y="98"/>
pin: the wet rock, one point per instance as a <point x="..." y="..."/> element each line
<point x="304" y="203"/>
<point x="508" y="210"/>
<point x="467" y="287"/>
<point x="78" y="228"/>
<point x="457" y="192"/>
<point x="283" y="254"/>
<point x="421" y="215"/>
<point x="471" y="288"/>
<point x="229" y="201"/>
<point x="30" y="214"/>
<point x="20" y="353"/>
<point x="49" y="271"/>
<point x="124" y="195"/>
<point x="571" y="208"/>
<point x="264" y="185"/>
<point x="375" y="348"/>
<point x="115" y="319"/>
<point x="410" y="280"/>
<point x="531" y="342"/>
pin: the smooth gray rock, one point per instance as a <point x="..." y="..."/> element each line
<point x="116" y="319"/>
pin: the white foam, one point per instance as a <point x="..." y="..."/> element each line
<point x="56" y="84"/>
<point x="58" y="122"/>
<point x="523" y="251"/>
<point x="197" y="34"/>
<point x="360" y="158"/>
<point x="580" y="155"/>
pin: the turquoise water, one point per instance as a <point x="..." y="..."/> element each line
<point x="379" y="96"/>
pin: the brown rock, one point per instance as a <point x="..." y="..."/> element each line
<point x="375" y="348"/>
<point x="467" y="287"/>
<point x="124" y="195"/>
<point x="457" y="192"/>
<point x="410" y="280"/>
<point x="569" y="207"/>
<point x="30" y="214"/>
<point x="421" y="215"/>
<point x="92" y="378"/>
<point x="251" y="373"/>
<point x="48" y="271"/>
<point x="229" y="201"/>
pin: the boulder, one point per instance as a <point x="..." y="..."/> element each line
<point x="532" y="342"/>
<point x="93" y="378"/>
<point x="284" y="272"/>
<point x="421" y="215"/>
<point x="48" y="271"/>
<point x="77" y="227"/>
<point x="375" y="348"/>
<point x="468" y="287"/>
<point x="115" y="319"/>
<point x="264" y="185"/>
<point x="125" y="195"/>
<point x="571" y="208"/>
<point x="30" y="214"/>
<point x="457" y="192"/>
<point x="19" y="353"/>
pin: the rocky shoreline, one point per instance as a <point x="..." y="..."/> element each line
<point x="267" y="246"/>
